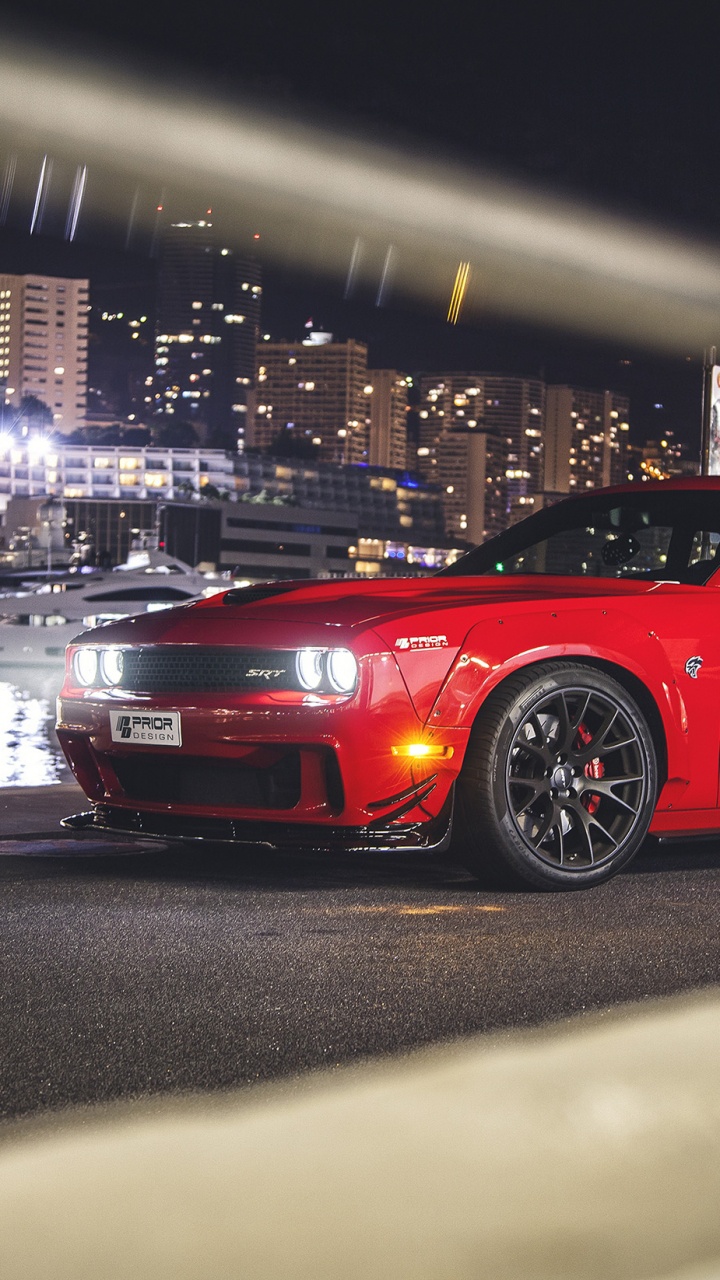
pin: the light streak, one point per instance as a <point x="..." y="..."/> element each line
<point x="7" y="186"/>
<point x="355" y="260"/>
<point x="131" y="218"/>
<point x="543" y="259"/>
<point x="41" y="194"/>
<point x="385" y="278"/>
<point x="459" y="289"/>
<point x="76" y="200"/>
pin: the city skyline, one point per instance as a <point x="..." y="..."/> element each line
<point x="665" y="393"/>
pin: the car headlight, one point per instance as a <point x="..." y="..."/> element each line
<point x="342" y="670"/>
<point x="111" y="665"/>
<point x="310" y="667"/>
<point x="85" y="666"/>
<point x="326" y="670"/>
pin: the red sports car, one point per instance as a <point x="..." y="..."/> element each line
<point x="542" y="703"/>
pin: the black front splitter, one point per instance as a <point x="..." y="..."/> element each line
<point x="426" y="837"/>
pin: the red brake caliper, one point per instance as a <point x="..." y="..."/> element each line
<point x="593" y="769"/>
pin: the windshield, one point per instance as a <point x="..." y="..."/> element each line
<point x="668" y="536"/>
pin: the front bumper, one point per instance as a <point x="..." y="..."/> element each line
<point x="282" y="768"/>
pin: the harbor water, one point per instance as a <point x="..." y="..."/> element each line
<point x="30" y="754"/>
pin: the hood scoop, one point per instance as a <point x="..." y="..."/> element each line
<point x="251" y="595"/>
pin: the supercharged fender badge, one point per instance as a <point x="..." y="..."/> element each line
<point x="692" y="666"/>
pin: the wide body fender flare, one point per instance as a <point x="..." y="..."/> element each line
<point x="494" y="649"/>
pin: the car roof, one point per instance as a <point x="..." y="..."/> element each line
<point x="679" y="484"/>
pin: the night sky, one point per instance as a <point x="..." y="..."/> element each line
<point x="612" y="103"/>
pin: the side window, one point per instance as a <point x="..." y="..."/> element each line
<point x="704" y="546"/>
<point x="596" y="551"/>
<point x="652" y="553"/>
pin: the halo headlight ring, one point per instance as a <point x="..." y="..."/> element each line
<point x="342" y="669"/>
<point x="85" y="666"/>
<point x="111" y="666"/>
<point x="310" y="667"/>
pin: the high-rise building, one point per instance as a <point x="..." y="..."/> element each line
<point x="508" y="412"/>
<point x="315" y="392"/>
<point x="206" y="330"/>
<point x="471" y="473"/>
<point x="43" y="345"/>
<point x="387" y="435"/>
<point x="586" y="438"/>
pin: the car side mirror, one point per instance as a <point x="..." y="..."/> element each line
<point x="618" y="551"/>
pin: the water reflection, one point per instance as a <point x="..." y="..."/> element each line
<point x="30" y="754"/>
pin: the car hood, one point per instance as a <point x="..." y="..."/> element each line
<point x="353" y="603"/>
<point x="302" y="612"/>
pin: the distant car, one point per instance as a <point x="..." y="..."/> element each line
<point x="542" y="703"/>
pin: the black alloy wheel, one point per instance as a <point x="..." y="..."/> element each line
<point x="559" y="781"/>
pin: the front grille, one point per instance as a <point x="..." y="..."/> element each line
<point x="206" y="781"/>
<point x="201" y="669"/>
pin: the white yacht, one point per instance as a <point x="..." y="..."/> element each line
<point x="37" y="623"/>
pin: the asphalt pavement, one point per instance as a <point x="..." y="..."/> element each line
<point x="130" y="971"/>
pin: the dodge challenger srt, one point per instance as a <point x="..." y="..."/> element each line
<point x="538" y="706"/>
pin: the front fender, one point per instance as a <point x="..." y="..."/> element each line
<point x="494" y="649"/>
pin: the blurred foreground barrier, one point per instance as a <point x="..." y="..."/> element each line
<point x="590" y="1150"/>
<point x="398" y="218"/>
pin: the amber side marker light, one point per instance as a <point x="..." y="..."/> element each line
<point x="418" y="750"/>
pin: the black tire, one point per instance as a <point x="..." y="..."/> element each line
<point x="559" y="781"/>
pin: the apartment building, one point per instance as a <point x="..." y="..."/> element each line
<point x="43" y="347"/>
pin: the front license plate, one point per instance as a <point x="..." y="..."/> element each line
<point x="146" y="728"/>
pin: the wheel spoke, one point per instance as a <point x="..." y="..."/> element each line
<point x="589" y="820"/>
<point x="582" y="827"/>
<point x="596" y="745"/>
<point x="540" y="753"/>
<point x="565" y="733"/>
<point x="561" y="843"/>
<point x="603" y="787"/>
<point x="581" y="714"/>
<point x="615" y="746"/>
<point x="536" y="787"/>
<point x="551" y="818"/>
<point x="542" y="746"/>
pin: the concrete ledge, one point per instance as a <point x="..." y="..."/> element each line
<point x="588" y="1150"/>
